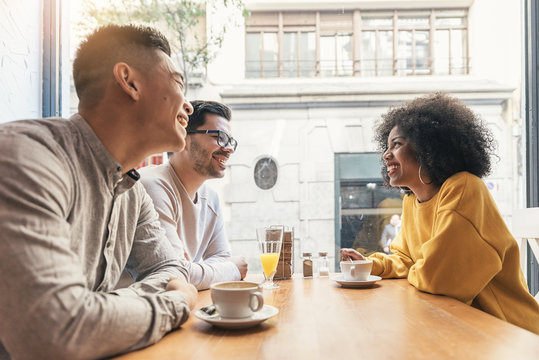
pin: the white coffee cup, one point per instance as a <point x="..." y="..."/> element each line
<point x="236" y="299"/>
<point x="356" y="270"/>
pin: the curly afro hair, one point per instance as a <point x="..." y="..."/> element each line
<point x="446" y="135"/>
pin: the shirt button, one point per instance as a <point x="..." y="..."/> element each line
<point x="109" y="244"/>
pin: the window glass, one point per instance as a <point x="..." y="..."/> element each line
<point x="385" y="53"/>
<point x="366" y="211"/>
<point x="327" y="55"/>
<point x="344" y="54"/>
<point x="414" y="53"/>
<point x="252" y="55"/>
<point x="412" y="21"/>
<point x="449" y="21"/>
<point x="308" y="54"/>
<point x="377" y="22"/>
<point x="458" y="59"/>
<point x="290" y="54"/>
<point x="404" y="53"/>
<point x="422" y="59"/>
<point x="271" y="55"/>
<point x="368" y="53"/>
<point x="441" y="52"/>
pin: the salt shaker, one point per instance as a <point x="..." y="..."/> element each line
<point x="307" y="264"/>
<point x="323" y="264"/>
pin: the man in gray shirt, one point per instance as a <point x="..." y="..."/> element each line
<point x="73" y="216"/>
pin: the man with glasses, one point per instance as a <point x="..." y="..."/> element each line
<point x="189" y="210"/>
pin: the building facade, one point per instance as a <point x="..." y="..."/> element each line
<point x="307" y="81"/>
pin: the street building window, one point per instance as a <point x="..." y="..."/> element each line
<point x="357" y="43"/>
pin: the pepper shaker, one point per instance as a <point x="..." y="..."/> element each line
<point x="307" y="264"/>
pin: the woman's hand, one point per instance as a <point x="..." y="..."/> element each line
<point x="351" y="254"/>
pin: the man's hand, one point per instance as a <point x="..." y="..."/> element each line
<point x="188" y="290"/>
<point x="351" y="254"/>
<point x="241" y="264"/>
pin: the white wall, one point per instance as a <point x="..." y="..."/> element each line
<point x="496" y="40"/>
<point x="20" y="59"/>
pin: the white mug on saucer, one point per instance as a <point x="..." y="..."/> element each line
<point x="236" y="299"/>
<point x="356" y="270"/>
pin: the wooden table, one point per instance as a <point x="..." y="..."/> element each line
<point x="319" y="319"/>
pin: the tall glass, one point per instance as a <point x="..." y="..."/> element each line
<point x="269" y="242"/>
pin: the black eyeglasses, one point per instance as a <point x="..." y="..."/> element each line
<point x="223" y="139"/>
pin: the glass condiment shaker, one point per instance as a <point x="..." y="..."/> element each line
<point x="307" y="264"/>
<point x="323" y="264"/>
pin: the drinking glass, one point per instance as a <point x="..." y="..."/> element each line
<point x="269" y="242"/>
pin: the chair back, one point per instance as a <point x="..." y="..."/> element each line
<point x="526" y="230"/>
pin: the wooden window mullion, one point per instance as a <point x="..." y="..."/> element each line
<point x="262" y="54"/>
<point x="356" y="43"/>
<point x="413" y="51"/>
<point x="280" y="37"/>
<point x="450" y="55"/>
<point x="395" y="40"/>
<point x="317" y="44"/>
<point x="432" y="35"/>
<point x="298" y="52"/>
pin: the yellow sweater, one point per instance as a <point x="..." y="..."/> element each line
<point x="457" y="244"/>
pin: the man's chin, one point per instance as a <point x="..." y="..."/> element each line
<point x="217" y="174"/>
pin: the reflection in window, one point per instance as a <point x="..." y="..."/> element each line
<point x="366" y="209"/>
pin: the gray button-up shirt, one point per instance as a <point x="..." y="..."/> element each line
<point x="69" y="224"/>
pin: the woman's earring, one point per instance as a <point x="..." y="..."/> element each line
<point x="420" y="179"/>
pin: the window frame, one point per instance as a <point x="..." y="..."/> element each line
<point x="52" y="59"/>
<point x="324" y="24"/>
<point x="531" y="48"/>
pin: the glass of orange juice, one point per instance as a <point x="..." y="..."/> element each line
<point x="269" y="242"/>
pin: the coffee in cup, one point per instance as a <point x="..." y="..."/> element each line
<point x="356" y="270"/>
<point x="236" y="299"/>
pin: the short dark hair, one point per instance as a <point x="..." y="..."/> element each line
<point x="446" y="135"/>
<point x="108" y="45"/>
<point x="201" y="108"/>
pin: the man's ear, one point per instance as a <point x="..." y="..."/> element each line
<point x="127" y="79"/>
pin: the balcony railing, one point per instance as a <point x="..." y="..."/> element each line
<point x="364" y="67"/>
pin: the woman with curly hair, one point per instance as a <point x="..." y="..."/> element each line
<point x="453" y="241"/>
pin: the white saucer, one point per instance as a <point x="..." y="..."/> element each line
<point x="356" y="283"/>
<point x="258" y="317"/>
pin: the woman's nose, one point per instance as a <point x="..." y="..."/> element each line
<point x="386" y="155"/>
